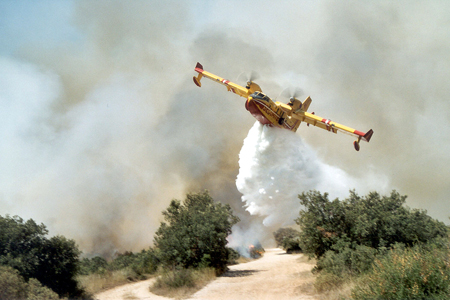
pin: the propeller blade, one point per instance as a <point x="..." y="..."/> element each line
<point x="253" y="76"/>
<point x="248" y="76"/>
<point x="291" y="93"/>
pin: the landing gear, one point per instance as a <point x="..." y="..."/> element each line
<point x="356" y="145"/>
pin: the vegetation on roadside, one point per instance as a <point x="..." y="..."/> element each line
<point x="194" y="234"/>
<point x="369" y="247"/>
<point x="97" y="274"/>
<point x="368" y="238"/>
<point x="190" y="249"/>
<point x="192" y="244"/>
<point x="288" y="239"/>
<point x="14" y="286"/>
<point x="419" y="272"/>
<point x="37" y="260"/>
<point x="180" y="283"/>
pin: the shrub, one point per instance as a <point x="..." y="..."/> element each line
<point x="288" y="239"/>
<point x="96" y="264"/>
<point x="181" y="283"/>
<point x="347" y="261"/>
<point x="373" y="221"/>
<point x="196" y="228"/>
<point x="36" y="291"/>
<point x="421" y="272"/>
<point x="256" y="250"/>
<point x="347" y="236"/>
<point x="13" y="286"/>
<point x="54" y="261"/>
<point x="144" y="262"/>
<point x="233" y="256"/>
<point x="176" y="278"/>
<point x="328" y="281"/>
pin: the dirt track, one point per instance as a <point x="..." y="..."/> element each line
<point x="275" y="276"/>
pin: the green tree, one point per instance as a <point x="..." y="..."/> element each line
<point x="13" y="286"/>
<point x="59" y="265"/>
<point x="194" y="233"/>
<point x="96" y="264"/>
<point x="53" y="262"/>
<point x="288" y="239"/>
<point x="373" y="221"/>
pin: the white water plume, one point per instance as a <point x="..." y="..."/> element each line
<point x="275" y="166"/>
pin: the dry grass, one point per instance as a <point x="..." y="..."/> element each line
<point x="306" y="260"/>
<point x="243" y="260"/>
<point x="170" y="284"/>
<point x="95" y="283"/>
<point x="130" y="296"/>
<point x="342" y="292"/>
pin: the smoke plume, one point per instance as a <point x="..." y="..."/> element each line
<point x="101" y="124"/>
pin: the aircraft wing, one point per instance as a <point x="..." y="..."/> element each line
<point x="232" y="87"/>
<point x="331" y="126"/>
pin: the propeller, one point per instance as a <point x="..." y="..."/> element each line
<point x="291" y="93"/>
<point x="249" y="76"/>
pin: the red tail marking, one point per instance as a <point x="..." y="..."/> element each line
<point x="199" y="68"/>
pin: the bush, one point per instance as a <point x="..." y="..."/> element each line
<point x="93" y="265"/>
<point x="144" y="262"/>
<point x="371" y="221"/>
<point x="53" y="262"/>
<point x="233" y="256"/>
<point x="181" y="283"/>
<point x="134" y="265"/>
<point x="13" y="286"/>
<point x="36" y="291"/>
<point x="256" y="250"/>
<point x="421" y="272"/>
<point x="347" y="261"/>
<point x="195" y="232"/>
<point x="347" y="236"/>
<point x="288" y="239"/>
<point x="176" y="278"/>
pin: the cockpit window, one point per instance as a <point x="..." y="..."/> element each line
<point x="260" y="96"/>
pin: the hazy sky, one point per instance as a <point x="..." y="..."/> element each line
<point x="101" y="124"/>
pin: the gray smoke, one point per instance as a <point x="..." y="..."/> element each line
<point x="100" y="128"/>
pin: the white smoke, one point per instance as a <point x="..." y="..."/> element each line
<point x="275" y="166"/>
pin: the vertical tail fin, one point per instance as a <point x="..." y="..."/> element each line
<point x="306" y="103"/>
<point x="199" y="69"/>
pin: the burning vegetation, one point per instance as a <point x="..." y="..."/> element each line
<point x="256" y="251"/>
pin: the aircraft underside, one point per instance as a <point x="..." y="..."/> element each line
<point x="266" y="115"/>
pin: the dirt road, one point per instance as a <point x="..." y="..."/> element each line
<point x="277" y="275"/>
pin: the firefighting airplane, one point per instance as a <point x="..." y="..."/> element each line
<point x="287" y="116"/>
